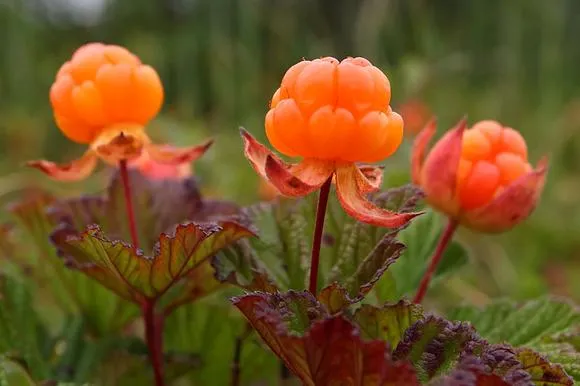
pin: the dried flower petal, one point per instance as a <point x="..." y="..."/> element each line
<point x="351" y="196"/>
<point x="76" y="170"/>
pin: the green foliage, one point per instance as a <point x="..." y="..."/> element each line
<point x="210" y="331"/>
<point x="13" y="374"/>
<point x="21" y="332"/>
<point x="32" y="258"/>
<point x="424" y="348"/>
<point x="548" y="326"/>
<point x="421" y="239"/>
<point x="388" y="322"/>
<point x="354" y="254"/>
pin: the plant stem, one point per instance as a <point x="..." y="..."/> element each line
<point x="129" y="203"/>
<point x="317" y="240"/>
<point x="154" y="339"/>
<point x="236" y="366"/>
<point x="444" y="240"/>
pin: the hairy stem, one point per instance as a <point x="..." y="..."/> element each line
<point x="129" y="203"/>
<point x="154" y="339"/>
<point x="444" y="240"/>
<point x="317" y="240"/>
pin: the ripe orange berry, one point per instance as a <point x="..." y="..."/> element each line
<point x="336" y="111"/>
<point x="491" y="158"/>
<point x="102" y="85"/>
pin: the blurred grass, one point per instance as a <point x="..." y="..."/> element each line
<point x="220" y="60"/>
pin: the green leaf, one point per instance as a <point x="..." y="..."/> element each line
<point x="123" y="368"/>
<point x="136" y="277"/>
<point x="51" y="281"/>
<point x="20" y="329"/>
<point x="547" y="325"/>
<point x="353" y="253"/>
<point x="370" y="270"/>
<point x="13" y="374"/>
<point x="389" y="322"/>
<point x="421" y="238"/>
<point x="208" y="329"/>
<point x="239" y="266"/>
<point x="361" y="253"/>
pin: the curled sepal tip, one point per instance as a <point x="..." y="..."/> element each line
<point x="348" y="187"/>
<point x="75" y="170"/>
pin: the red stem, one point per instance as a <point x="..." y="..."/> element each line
<point x="154" y="338"/>
<point x="129" y="203"/>
<point x="317" y="241"/>
<point x="153" y="322"/>
<point x="444" y="240"/>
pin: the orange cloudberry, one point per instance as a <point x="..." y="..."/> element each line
<point x="104" y="96"/>
<point x="332" y="114"/>
<point x="479" y="176"/>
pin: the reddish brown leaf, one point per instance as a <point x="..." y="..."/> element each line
<point x="330" y="351"/>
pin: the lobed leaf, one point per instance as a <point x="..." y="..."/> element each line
<point x="159" y="205"/>
<point x="326" y="349"/>
<point x="136" y="277"/>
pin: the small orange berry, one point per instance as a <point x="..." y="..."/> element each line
<point x="336" y="111"/>
<point x="102" y="85"/>
<point x="479" y="177"/>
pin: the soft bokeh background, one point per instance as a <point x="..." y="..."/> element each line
<point x="220" y="60"/>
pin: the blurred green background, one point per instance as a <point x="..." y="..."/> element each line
<point x="515" y="61"/>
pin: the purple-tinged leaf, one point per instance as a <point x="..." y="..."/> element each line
<point x="434" y="345"/>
